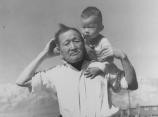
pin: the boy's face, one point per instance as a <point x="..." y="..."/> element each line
<point x="90" y="27"/>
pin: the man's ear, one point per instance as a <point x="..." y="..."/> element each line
<point x="57" y="50"/>
<point x="57" y="47"/>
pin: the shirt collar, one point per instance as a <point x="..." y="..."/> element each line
<point x="84" y="65"/>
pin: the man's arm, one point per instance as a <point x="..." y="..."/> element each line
<point x="130" y="74"/>
<point x="30" y="70"/>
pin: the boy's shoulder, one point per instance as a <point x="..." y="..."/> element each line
<point x="104" y="41"/>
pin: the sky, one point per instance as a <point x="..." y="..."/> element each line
<point x="27" y="25"/>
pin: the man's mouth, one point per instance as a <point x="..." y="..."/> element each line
<point x="74" y="53"/>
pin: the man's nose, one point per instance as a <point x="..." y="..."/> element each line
<point x="72" y="45"/>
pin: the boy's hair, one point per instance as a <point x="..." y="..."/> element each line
<point x="92" y="11"/>
<point x="62" y="29"/>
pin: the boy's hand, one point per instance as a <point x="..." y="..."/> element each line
<point x="104" y="54"/>
<point x="91" y="53"/>
<point x="51" y="49"/>
<point x="92" y="72"/>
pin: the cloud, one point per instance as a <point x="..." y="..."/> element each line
<point x="19" y="102"/>
<point x="146" y="94"/>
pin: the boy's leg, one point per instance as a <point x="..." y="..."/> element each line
<point x="117" y="114"/>
<point x="60" y="115"/>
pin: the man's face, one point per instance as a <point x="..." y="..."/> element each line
<point x="90" y="27"/>
<point x="71" y="46"/>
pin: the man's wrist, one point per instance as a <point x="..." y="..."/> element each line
<point x="43" y="55"/>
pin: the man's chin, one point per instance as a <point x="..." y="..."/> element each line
<point x="75" y="60"/>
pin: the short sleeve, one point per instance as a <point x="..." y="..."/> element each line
<point x="100" y="65"/>
<point x="40" y="81"/>
<point x="105" y="48"/>
<point x="105" y="43"/>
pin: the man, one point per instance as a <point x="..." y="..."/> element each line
<point x="78" y="96"/>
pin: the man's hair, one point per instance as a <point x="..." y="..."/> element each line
<point x="62" y="29"/>
<point x="92" y="11"/>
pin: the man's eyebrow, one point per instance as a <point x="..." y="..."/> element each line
<point x="66" y="40"/>
<point x="76" y="37"/>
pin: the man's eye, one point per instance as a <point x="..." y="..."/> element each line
<point x="77" y="40"/>
<point x="66" y="43"/>
<point x="89" y="27"/>
<point x="83" y="28"/>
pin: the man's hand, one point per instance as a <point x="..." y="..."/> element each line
<point x="92" y="72"/>
<point x="130" y="74"/>
<point x="29" y="71"/>
<point x="51" y="49"/>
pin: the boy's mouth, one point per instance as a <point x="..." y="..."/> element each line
<point x="86" y="36"/>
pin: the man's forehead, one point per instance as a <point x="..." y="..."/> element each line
<point x="69" y="34"/>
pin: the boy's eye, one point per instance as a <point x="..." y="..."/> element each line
<point x="92" y="27"/>
<point x="88" y="27"/>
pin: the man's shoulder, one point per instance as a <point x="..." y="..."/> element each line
<point x="55" y="69"/>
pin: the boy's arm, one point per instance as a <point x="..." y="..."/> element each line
<point x="91" y="53"/>
<point x="95" y="68"/>
<point x="130" y="74"/>
<point x="30" y="70"/>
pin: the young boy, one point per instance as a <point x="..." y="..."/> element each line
<point x="91" y="22"/>
<point x="98" y="47"/>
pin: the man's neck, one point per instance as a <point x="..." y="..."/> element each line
<point x="78" y="65"/>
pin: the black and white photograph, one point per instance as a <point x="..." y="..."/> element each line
<point x="78" y="58"/>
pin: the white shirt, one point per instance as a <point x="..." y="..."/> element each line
<point x="78" y="96"/>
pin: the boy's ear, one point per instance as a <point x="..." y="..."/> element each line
<point x="102" y="27"/>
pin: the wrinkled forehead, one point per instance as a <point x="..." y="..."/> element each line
<point x="69" y="35"/>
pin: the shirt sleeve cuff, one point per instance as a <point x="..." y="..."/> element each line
<point x="39" y="81"/>
<point x="100" y="65"/>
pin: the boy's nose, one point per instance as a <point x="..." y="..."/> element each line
<point x="86" y="33"/>
<point x="86" y="30"/>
